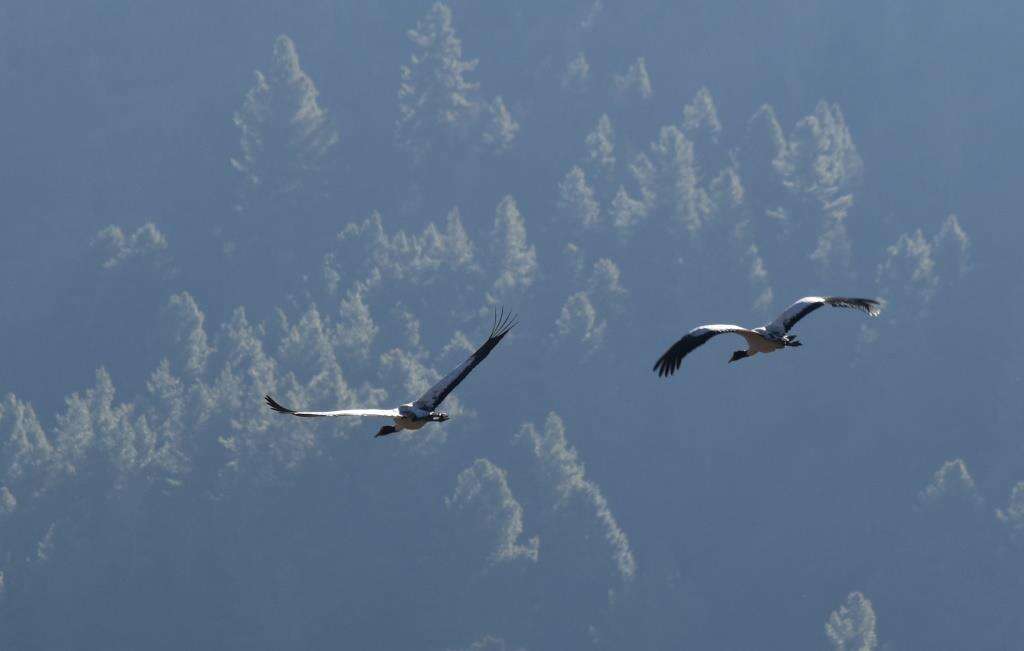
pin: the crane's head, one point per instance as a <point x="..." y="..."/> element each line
<point x="439" y="416"/>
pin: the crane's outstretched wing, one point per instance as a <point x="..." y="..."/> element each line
<point x="808" y="304"/>
<point x="670" y="362"/>
<point x="380" y="413"/>
<point x="437" y="393"/>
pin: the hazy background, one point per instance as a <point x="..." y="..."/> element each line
<point x="180" y="234"/>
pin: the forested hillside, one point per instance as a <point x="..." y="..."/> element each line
<point x="207" y="202"/>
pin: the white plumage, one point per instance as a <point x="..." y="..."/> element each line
<point x="765" y="339"/>
<point x="414" y="415"/>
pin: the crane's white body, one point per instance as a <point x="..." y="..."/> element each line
<point x="411" y="417"/>
<point x="759" y="340"/>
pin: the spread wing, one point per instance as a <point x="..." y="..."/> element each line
<point x="808" y="304"/>
<point x="437" y="393"/>
<point x="380" y="413"/>
<point x="670" y="362"/>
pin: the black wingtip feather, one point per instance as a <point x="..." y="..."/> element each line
<point x="869" y="305"/>
<point x="672" y="360"/>
<point x="276" y="406"/>
<point x="666" y="366"/>
<point x="503" y="322"/>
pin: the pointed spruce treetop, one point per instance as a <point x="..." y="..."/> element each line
<point x="434" y="92"/>
<point x="285" y="134"/>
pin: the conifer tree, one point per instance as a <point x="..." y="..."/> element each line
<point x="434" y="93"/>
<point x="285" y="134"/>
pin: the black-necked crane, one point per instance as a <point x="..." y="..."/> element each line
<point x="765" y="339"/>
<point x="414" y="415"/>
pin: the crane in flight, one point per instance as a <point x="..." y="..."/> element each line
<point x="765" y="339"/>
<point x="414" y="415"/>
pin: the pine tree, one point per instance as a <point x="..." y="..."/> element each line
<point x="501" y="128"/>
<point x="184" y="334"/>
<point x="600" y="145"/>
<point x="851" y="627"/>
<point x="491" y="519"/>
<point x="1013" y="515"/>
<point x="285" y="134"/>
<point x="626" y="212"/>
<point x="700" y="115"/>
<point x="518" y="266"/>
<point x="434" y="94"/>
<point x="593" y="542"/>
<point x="166" y="420"/>
<point x="576" y="75"/>
<point x="145" y="248"/>
<point x="675" y="182"/>
<point x="576" y="199"/>
<point x="25" y="451"/>
<point x="635" y="82"/>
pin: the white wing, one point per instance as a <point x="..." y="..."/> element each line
<point x="670" y="362"/>
<point x="437" y="393"/>
<point x="379" y="413"/>
<point x="808" y="304"/>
